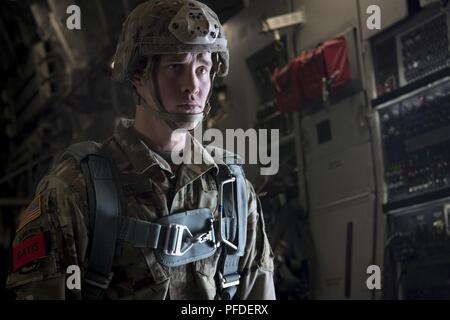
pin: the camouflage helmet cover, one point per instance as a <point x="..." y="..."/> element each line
<point x="168" y="27"/>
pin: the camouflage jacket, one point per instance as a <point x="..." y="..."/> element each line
<point x="52" y="232"/>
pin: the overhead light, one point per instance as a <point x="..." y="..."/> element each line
<point x="284" y="21"/>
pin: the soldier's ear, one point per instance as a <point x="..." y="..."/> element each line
<point x="138" y="76"/>
<point x="137" y="80"/>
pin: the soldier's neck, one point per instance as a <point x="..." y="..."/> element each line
<point x="156" y="134"/>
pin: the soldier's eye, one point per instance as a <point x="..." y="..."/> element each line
<point x="202" y="70"/>
<point x="173" y="67"/>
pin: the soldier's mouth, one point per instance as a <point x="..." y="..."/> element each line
<point x="189" y="108"/>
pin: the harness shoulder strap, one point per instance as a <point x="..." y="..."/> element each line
<point x="104" y="194"/>
<point x="235" y="210"/>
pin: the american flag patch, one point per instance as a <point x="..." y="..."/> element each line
<point x="32" y="212"/>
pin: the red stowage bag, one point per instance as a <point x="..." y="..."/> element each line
<point x="286" y="87"/>
<point x="310" y="75"/>
<point x="301" y="81"/>
<point x="335" y="52"/>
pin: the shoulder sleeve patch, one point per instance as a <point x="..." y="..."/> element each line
<point x="32" y="212"/>
<point x="28" y="250"/>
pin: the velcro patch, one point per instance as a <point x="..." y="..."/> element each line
<point x="28" y="250"/>
<point x="32" y="212"/>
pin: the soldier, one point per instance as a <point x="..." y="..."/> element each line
<point x="136" y="223"/>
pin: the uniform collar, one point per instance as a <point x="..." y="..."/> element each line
<point x="197" y="159"/>
<point x="197" y="162"/>
<point x="140" y="157"/>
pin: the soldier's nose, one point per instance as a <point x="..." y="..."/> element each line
<point x="190" y="83"/>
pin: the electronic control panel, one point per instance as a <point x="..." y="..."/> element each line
<point x="415" y="138"/>
<point x="412" y="50"/>
<point x="424" y="226"/>
<point x="424" y="49"/>
<point x="419" y="246"/>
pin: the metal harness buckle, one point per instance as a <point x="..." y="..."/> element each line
<point x="174" y="240"/>
<point x="221" y="236"/>
<point x="224" y="283"/>
<point x="205" y="236"/>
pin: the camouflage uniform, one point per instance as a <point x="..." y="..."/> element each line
<point x="63" y="219"/>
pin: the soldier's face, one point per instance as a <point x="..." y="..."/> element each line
<point x="183" y="82"/>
